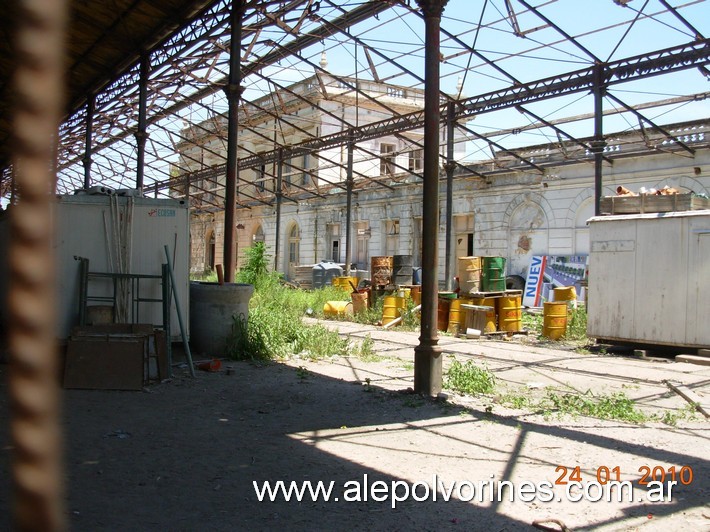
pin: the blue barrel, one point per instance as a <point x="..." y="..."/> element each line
<point x="417" y="275"/>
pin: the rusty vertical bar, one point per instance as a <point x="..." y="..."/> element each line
<point x="88" y="140"/>
<point x="427" y="355"/>
<point x="33" y="385"/>
<point x="450" y="165"/>
<point x="142" y="132"/>
<point x="349" y="206"/>
<point x="279" y="200"/>
<point x="598" y="144"/>
<point x="233" y="91"/>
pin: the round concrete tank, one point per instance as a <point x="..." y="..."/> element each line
<point x="212" y="310"/>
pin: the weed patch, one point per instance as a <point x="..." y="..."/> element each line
<point x="469" y="379"/>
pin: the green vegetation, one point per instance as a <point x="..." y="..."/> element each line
<point x="469" y="379"/>
<point x="275" y="328"/>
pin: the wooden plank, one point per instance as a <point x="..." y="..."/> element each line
<point x="690" y="396"/>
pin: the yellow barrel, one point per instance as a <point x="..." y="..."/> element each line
<point x="337" y="308"/>
<point x="416" y="293"/>
<point x="349" y="284"/>
<point x="457" y="315"/>
<point x="359" y="301"/>
<point x="405" y="292"/>
<point x="565" y="293"/>
<point x="490" y="303"/>
<point x="469" y="274"/>
<point x="554" y="319"/>
<point x="510" y="313"/>
<point x="393" y="308"/>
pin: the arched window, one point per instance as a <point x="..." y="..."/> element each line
<point x="294" y="240"/>
<point x="258" y="235"/>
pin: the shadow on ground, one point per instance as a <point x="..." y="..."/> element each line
<point x="184" y="455"/>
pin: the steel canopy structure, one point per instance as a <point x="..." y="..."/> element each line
<point x="523" y="64"/>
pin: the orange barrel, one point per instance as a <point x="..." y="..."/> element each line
<point x="359" y="301"/>
<point x="469" y="273"/>
<point x="416" y="293"/>
<point x="381" y="271"/>
<point x="490" y="304"/>
<point x="442" y="321"/>
<point x="554" y="319"/>
<point x="337" y="308"/>
<point x="493" y="274"/>
<point x="455" y="320"/>
<point x="510" y="313"/>
<point x="393" y="308"/>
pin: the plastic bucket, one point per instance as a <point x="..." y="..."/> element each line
<point x="490" y="317"/>
<point x="392" y="308"/>
<point x="510" y="313"/>
<point x="469" y="273"/>
<point x="359" y="301"/>
<point x="381" y="271"/>
<point x="493" y="274"/>
<point x="554" y="319"/>
<point x="417" y="275"/>
<point x="337" y="308"/>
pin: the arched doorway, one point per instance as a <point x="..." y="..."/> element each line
<point x="210" y="251"/>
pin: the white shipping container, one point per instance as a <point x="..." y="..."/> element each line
<point x="90" y="226"/>
<point x="649" y="278"/>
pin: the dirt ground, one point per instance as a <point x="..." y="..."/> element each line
<point x="183" y="454"/>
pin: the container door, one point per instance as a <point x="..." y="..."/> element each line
<point x="698" y="286"/>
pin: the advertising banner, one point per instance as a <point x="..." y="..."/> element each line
<point x="547" y="272"/>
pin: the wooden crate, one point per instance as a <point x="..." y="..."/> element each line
<point x="648" y="203"/>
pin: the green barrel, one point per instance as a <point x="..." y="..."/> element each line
<point x="493" y="274"/>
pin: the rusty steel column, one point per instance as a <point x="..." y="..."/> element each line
<point x="233" y="91"/>
<point x="279" y="200"/>
<point x="142" y="132"/>
<point x="427" y="355"/>
<point x="88" y="140"/>
<point x="33" y="377"/>
<point x="598" y="144"/>
<point x="450" y="165"/>
<point x="349" y="206"/>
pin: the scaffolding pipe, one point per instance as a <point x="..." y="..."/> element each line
<point x="427" y="355"/>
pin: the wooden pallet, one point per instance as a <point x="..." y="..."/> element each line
<point x="501" y="293"/>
